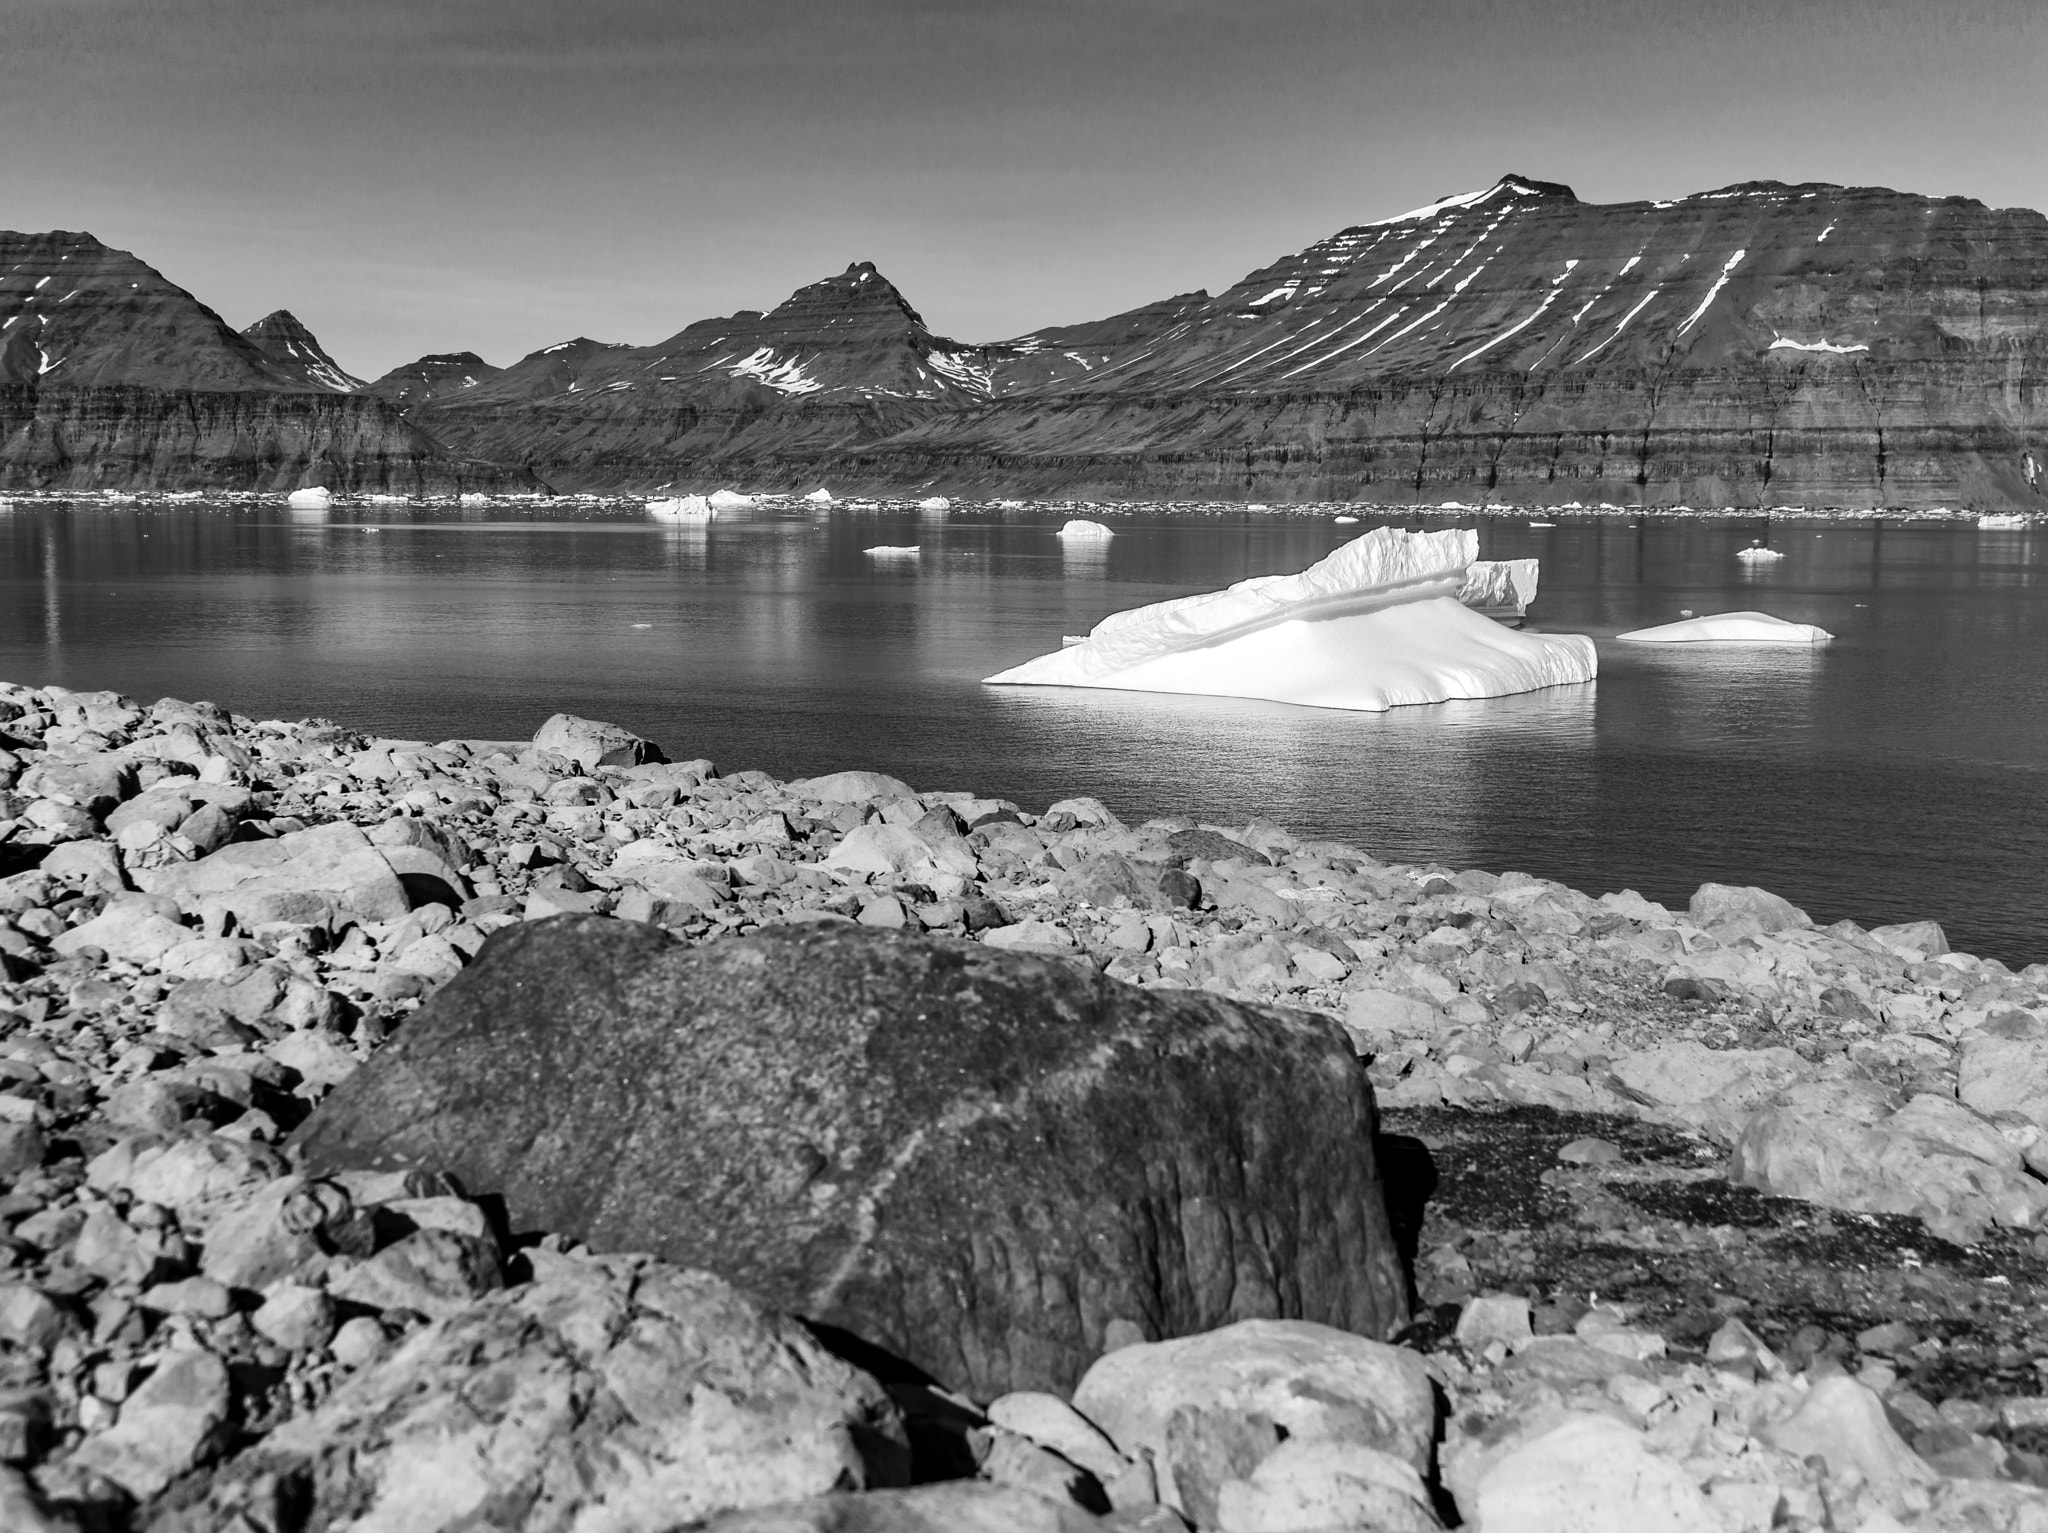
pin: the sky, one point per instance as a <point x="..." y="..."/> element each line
<point x="411" y="176"/>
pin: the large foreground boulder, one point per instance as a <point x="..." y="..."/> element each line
<point x="987" y="1163"/>
<point x="616" y="1394"/>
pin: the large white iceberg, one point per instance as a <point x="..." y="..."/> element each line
<point x="315" y="498"/>
<point x="726" y="500"/>
<point x="1376" y="625"/>
<point x="1729" y="628"/>
<point x="1082" y="531"/>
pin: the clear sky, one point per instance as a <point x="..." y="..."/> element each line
<point x="497" y="175"/>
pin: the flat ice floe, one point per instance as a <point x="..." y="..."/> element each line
<point x="1729" y="628"/>
<point x="685" y="508"/>
<point x="1376" y="625"/>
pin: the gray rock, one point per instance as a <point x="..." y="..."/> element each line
<point x="303" y="875"/>
<point x="297" y="1318"/>
<point x="623" y="1395"/>
<point x="592" y="744"/>
<point x="954" y="1152"/>
<point x="436" y="1272"/>
<point x="1731" y="909"/>
<point x="174" y="1422"/>
<point x="1306" y="1383"/>
<point x="852" y="788"/>
<point x="1914" y="941"/>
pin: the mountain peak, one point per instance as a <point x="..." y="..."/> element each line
<point x="281" y="336"/>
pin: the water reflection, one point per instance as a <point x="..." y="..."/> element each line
<point x="1896" y="773"/>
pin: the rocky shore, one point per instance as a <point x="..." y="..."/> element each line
<point x="332" y="1069"/>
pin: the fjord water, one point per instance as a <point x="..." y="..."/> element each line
<point x="1895" y="774"/>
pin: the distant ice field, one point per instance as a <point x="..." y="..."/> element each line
<point x="1898" y="772"/>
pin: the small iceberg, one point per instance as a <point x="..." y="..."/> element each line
<point x="473" y="499"/>
<point x="1374" y="626"/>
<point x="1758" y="554"/>
<point x="2002" y="521"/>
<point x="935" y="503"/>
<point x="820" y="496"/>
<point x="316" y="498"/>
<point x="687" y="508"/>
<point x="1729" y="628"/>
<point x="729" y="500"/>
<point x="1347" y="521"/>
<point x="1087" y="532"/>
<point x="893" y="551"/>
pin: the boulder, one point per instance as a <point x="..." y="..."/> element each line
<point x="1196" y="1402"/>
<point x="592" y="744"/>
<point x="853" y="788"/>
<point x="619" y="1394"/>
<point x="1732" y="910"/>
<point x="1711" y="1089"/>
<point x="175" y="1421"/>
<point x="1588" y="1474"/>
<point x="1914" y="941"/>
<point x="1302" y="1486"/>
<point x="303" y="875"/>
<point x="980" y="1160"/>
<point x="1846" y="1425"/>
<point x="2003" y="1067"/>
<point x="135" y="928"/>
<point x="899" y="850"/>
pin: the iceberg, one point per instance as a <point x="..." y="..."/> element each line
<point x="1376" y="625"/>
<point x="893" y="551"/>
<point x="688" y="508"/>
<point x="2002" y="521"/>
<point x="730" y="500"/>
<point x="1759" y="555"/>
<point x="1088" y="532"/>
<point x="820" y="496"/>
<point x="316" y="498"/>
<point x="935" y="503"/>
<point x="1729" y="628"/>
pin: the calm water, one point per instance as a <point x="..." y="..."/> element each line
<point x="1898" y="773"/>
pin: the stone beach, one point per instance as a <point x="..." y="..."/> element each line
<point x="1712" y="1218"/>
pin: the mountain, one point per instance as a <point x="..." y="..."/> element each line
<point x="1762" y="344"/>
<point x="114" y="377"/>
<point x="1758" y="345"/>
<point x="437" y="373"/>
<point x="75" y="313"/>
<point x="288" y="343"/>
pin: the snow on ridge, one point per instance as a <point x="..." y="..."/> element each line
<point x="786" y="377"/>
<point x="962" y="369"/>
<point x="1782" y="344"/>
<point x="1452" y="204"/>
<point x="1283" y="292"/>
<point x="1632" y="313"/>
<point x="1713" y="292"/>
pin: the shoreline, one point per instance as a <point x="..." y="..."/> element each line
<point x="909" y="501"/>
<point x="159" y="1003"/>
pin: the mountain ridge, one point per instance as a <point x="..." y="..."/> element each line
<point x="1759" y="343"/>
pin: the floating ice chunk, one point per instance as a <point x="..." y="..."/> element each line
<point x="2002" y="521"/>
<point x="1759" y="555"/>
<point x="893" y="551"/>
<point x="1375" y="625"/>
<point x="1729" y="628"/>
<point x="820" y="497"/>
<point x="935" y="503"/>
<point x="314" y="499"/>
<point x="1347" y="521"/>
<point x="688" y="508"/>
<point x="728" y="500"/>
<point x="1499" y="585"/>
<point x="473" y="499"/>
<point x="1087" y="532"/>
